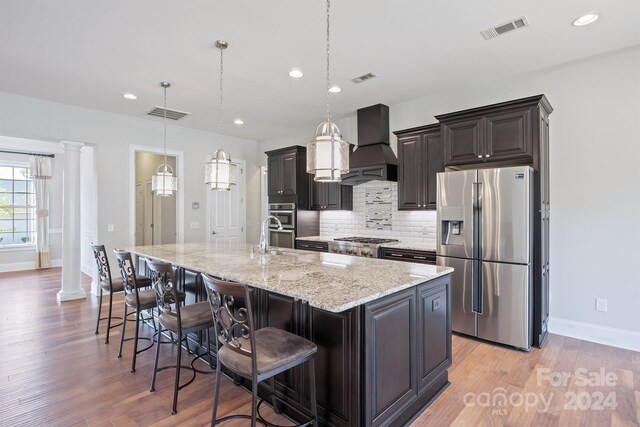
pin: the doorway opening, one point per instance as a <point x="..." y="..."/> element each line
<point x="156" y="217"/>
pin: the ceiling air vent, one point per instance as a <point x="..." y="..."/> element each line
<point x="171" y="114"/>
<point x="364" y="77"/>
<point x="505" y="28"/>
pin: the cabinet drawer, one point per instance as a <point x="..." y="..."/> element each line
<point x="423" y="257"/>
<point x="308" y="245"/>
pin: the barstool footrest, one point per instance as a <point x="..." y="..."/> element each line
<point x="269" y="424"/>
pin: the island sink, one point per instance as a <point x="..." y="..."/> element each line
<point x="383" y="328"/>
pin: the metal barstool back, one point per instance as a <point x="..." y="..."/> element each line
<point x="244" y="349"/>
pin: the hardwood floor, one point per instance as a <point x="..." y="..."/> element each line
<point x="56" y="372"/>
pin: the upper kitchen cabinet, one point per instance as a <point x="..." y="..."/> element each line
<point x="330" y="196"/>
<point x="288" y="180"/>
<point x="420" y="158"/>
<point x="494" y="133"/>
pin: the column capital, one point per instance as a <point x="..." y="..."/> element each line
<point x="72" y="145"/>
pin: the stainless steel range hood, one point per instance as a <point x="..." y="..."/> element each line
<point x="373" y="159"/>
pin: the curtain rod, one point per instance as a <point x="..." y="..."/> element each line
<point x="29" y="154"/>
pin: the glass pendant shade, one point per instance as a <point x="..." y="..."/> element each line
<point x="164" y="183"/>
<point x="328" y="154"/>
<point x="220" y="172"/>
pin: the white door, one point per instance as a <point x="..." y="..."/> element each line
<point x="227" y="210"/>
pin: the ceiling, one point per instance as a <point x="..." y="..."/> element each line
<point x="89" y="52"/>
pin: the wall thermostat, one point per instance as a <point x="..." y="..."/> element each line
<point x="195" y="205"/>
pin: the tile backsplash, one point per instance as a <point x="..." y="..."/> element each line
<point x="408" y="226"/>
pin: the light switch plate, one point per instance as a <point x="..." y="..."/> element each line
<point x="110" y="227"/>
<point x="195" y="205"/>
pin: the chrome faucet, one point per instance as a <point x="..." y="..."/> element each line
<point x="264" y="240"/>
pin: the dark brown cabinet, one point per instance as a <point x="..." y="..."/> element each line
<point x="309" y="245"/>
<point x="377" y="364"/>
<point x="407" y="350"/>
<point x="490" y="137"/>
<point x="330" y="196"/>
<point x="420" y="158"/>
<point x="288" y="181"/>
<point x="408" y="255"/>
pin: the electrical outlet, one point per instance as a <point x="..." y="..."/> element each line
<point x="110" y="228"/>
<point x="195" y="224"/>
<point x="601" y="305"/>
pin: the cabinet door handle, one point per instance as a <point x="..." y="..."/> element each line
<point x="486" y="155"/>
<point x="480" y="156"/>
<point x="396" y="255"/>
<point x="419" y="257"/>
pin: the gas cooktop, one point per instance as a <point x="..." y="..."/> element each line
<point x="370" y="240"/>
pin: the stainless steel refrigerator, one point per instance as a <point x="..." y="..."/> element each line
<point x="485" y="232"/>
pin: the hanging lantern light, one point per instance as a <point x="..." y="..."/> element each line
<point x="220" y="171"/>
<point x="164" y="183"/>
<point x="328" y="153"/>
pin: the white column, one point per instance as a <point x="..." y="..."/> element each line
<point x="71" y="288"/>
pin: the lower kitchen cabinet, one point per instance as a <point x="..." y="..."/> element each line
<point x="309" y="245"/>
<point x="408" y="255"/>
<point x="377" y="364"/>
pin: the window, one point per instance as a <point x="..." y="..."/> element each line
<point x="17" y="206"/>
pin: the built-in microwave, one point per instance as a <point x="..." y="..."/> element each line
<point x="285" y="212"/>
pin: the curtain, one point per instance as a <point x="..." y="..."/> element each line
<point x="40" y="167"/>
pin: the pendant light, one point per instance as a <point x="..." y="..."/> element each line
<point x="220" y="172"/>
<point x="164" y="183"/>
<point x="328" y="153"/>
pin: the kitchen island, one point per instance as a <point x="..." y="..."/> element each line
<point x="383" y="328"/>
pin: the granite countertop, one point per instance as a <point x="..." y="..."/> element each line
<point x="316" y="239"/>
<point x="415" y="246"/>
<point x="327" y="281"/>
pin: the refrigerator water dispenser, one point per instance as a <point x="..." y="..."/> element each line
<point x="452" y="227"/>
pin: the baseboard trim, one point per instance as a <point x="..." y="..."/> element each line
<point x="19" y="266"/>
<point x="615" y="337"/>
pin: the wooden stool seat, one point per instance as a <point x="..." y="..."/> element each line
<point x="145" y="299"/>
<point x="196" y="315"/>
<point x="118" y="286"/>
<point x="276" y="350"/>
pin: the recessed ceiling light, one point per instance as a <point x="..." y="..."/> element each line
<point x="130" y="96"/>
<point x="296" y="73"/>
<point x="238" y="122"/>
<point x="587" y="19"/>
<point x="335" y="89"/>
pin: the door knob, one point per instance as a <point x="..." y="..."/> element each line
<point x="213" y="232"/>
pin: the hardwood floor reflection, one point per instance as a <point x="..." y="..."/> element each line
<point x="56" y="372"/>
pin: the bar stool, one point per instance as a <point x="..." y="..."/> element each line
<point x="136" y="299"/>
<point x="179" y="320"/>
<point x="107" y="284"/>
<point x="275" y="350"/>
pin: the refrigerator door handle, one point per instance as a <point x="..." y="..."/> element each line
<point x="475" y="289"/>
<point x="479" y="214"/>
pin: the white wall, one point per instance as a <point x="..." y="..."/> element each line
<point x="111" y="135"/>
<point x="25" y="258"/>
<point x="595" y="197"/>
